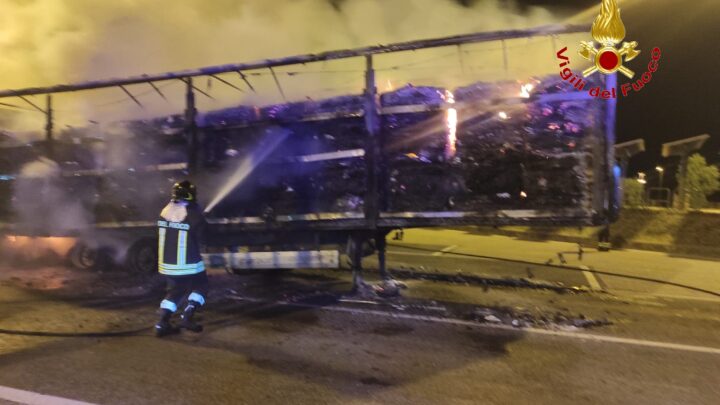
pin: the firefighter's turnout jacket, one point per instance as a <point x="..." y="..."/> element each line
<point x="180" y="229"/>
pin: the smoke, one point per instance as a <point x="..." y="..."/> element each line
<point x="52" y="41"/>
<point x="45" y="42"/>
<point x="41" y="202"/>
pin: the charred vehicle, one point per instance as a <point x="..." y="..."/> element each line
<point x="294" y="183"/>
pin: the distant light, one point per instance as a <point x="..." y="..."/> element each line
<point x="503" y="115"/>
<point x="659" y="169"/>
<point x="641" y="178"/>
<point x="617" y="171"/>
<point x="523" y="194"/>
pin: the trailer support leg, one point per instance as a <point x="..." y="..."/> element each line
<point x="355" y="251"/>
<point x="389" y="286"/>
<point x="604" y="239"/>
<point x="381" y="246"/>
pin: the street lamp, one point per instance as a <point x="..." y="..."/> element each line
<point x="624" y="151"/>
<point x="683" y="148"/>
<point x="661" y="172"/>
<point x="641" y="178"/>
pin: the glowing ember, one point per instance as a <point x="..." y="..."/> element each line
<point x="452" y="121"/>
<point x="503" y="115"/>
<point x="525" y="90"/>
<point x="38" y="246"/>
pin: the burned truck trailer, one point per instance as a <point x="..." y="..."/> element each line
<point x="347" y="170"/>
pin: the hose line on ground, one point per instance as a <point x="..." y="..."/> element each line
<point x="122" y="333"/>
<point x="133" y="332"/>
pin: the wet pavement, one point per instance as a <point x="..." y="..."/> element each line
<point x="298" y="337"/>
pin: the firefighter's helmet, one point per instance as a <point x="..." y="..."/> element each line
<point x="184" y="191"/>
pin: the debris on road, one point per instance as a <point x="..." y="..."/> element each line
<point x="461" y="278"/>
<point x="492" y="319"/>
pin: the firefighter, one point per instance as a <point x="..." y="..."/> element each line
<point x="180" y="234"/>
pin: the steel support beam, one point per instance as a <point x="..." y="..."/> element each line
<point x="683" y="202"/>
<point x="372" y="148"/>
<point x="277" y="83"/>
<point x="191" y="127"/>
<point x="49" y="126"/>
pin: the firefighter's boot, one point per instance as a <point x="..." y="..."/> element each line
<point x="163" y="327"/>
<point x="187" y="318"/>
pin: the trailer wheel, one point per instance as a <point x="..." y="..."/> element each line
<point x="84" y="257"/>
<point x="142" y="256"/>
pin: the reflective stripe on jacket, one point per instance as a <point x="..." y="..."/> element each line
<point x="180" y="229"/>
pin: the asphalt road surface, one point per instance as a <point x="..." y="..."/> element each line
<point x="298" y="338"/>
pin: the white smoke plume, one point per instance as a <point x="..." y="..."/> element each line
<point x="50" y="41"/>
<point x="42" y="204"/>
<point x="45" y="42"/>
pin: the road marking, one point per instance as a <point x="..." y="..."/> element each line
<point x="633" y="294"/>
<point x="401" y="253"/>
<point x="592" y="280"/>
<point x="546" y="332"/>
<point x="444" y="250"/>
<point x="34" y="398"/>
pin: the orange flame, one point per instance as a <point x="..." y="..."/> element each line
<point x="37" y="246"/>
<point x="608" y="28"/>
<point x="452" y="121"/>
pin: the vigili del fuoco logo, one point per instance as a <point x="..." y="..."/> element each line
<point x="607" y="58"/>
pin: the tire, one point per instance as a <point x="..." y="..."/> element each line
<point x="84" y="257"/>
<point x="142" y="257"/>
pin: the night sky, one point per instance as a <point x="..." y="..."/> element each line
<point x="683" y="98"/>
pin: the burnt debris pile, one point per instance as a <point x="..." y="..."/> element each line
<point x="480" y="148"/>
<point x="483" y="147"/>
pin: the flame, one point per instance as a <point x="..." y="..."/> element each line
<point x="525" y="90"/>
<point x="35" y="246"/>
<point x="608" y="28"/>
<point x="452" y="121"/>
